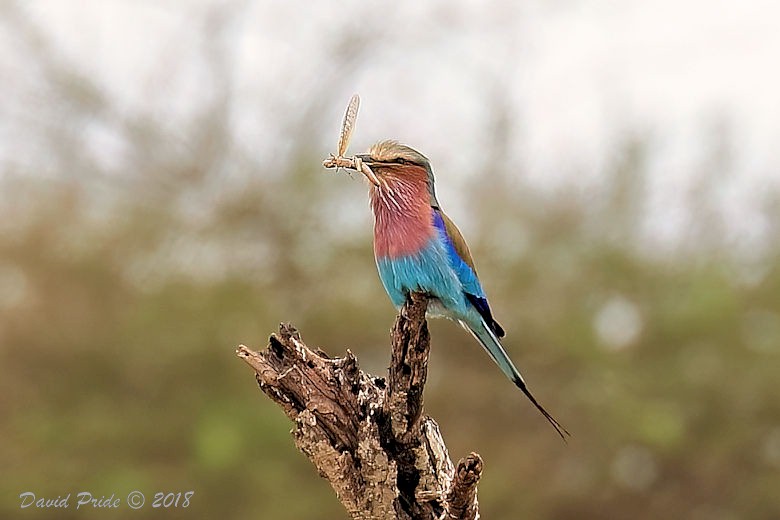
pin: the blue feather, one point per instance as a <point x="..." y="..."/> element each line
<point x="427" y="271"/>
<point x="493" y="347"/>
<point x="466" y="275"/>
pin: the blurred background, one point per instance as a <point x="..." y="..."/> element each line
<point x="614" y="166"/>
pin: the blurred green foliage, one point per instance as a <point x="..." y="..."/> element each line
<point x="118" y="370"/>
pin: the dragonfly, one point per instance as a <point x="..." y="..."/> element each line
<point x="339" y="159"/>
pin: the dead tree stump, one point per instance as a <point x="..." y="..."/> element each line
<point x="368" y="435"/>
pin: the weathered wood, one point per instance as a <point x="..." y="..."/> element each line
<point x="462" y="497"/>
<point x="366" y="435"/>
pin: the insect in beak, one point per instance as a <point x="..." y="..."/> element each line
<point x="358" y="162"/>
<point x="338" y="160"/>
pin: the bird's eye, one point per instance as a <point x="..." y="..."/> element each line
<point x="400" y="160"/>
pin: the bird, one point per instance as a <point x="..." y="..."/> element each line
<point x="418" y="248"/>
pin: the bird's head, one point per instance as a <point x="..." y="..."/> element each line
<point x="394" y="164"/>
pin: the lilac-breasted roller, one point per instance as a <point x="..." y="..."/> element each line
<point x="419" y="249"/>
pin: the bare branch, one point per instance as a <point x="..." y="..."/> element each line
<point x="463" y="493"/>
<point x="369" y="437"/>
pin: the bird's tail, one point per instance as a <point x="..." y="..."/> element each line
<point x="493" y="347"/>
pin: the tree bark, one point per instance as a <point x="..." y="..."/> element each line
<point x="368" y="435"/>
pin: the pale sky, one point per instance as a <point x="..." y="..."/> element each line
<point x="575" y="79"/>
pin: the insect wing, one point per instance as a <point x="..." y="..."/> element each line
<point x="348" y="125"/>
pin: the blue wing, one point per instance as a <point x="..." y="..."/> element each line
<point x="461" y="262"/>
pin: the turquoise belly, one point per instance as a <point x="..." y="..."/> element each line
<point x="427" y="271"/>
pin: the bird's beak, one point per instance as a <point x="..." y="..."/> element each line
<point x="362" y="162"/>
